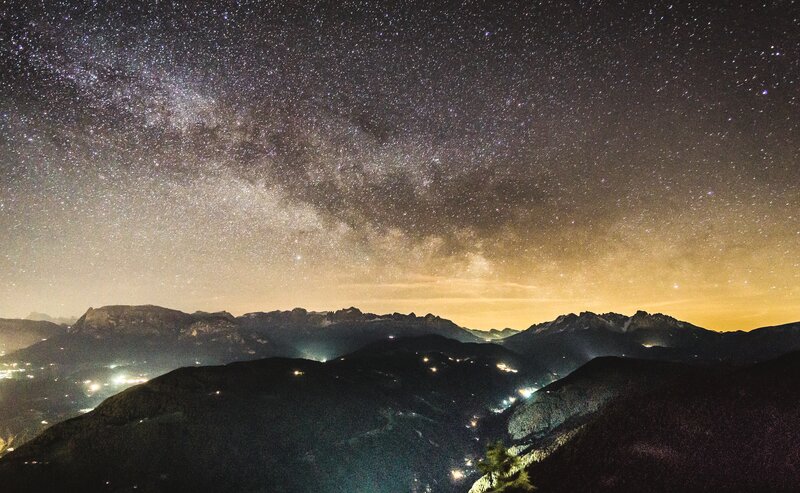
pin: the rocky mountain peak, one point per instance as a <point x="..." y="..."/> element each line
<point x="644" y="320"/>
<point x="571" y="322"/>
<point x="351" y="313"/>
<point x="131" y="320"/>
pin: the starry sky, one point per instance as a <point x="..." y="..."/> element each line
<point x="496" y="163"/>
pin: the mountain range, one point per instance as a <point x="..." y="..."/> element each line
<point x="572" y="340"/>
<point x="66" y="370"/>
<point x="353" y="401"/>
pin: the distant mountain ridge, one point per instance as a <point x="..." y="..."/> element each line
<point x="317" y="335"/>
<point x="147" y="320"/>
<point x="16" y="334"/>
<point x="612" y="321"/>
<point x="324" y="335"/>
<point x="572" y="340"/>
<point x="220" y="337"/>
<point x="43" y="317"/>
<point x="564" y="343"/>
<point x="131" y="320"/>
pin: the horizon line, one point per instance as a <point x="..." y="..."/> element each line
<point x="414" y="312"/>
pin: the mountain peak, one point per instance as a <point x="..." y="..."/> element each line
<point x="610" y="321"/>
<point x="348" y="313"/>
<point x="43" y="317"/>
<point x="571" y="322"/>
<point x="131" y="320"/>
<point x="644" y="320"/>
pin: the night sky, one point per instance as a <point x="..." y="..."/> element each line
<point x="496" y="163"/>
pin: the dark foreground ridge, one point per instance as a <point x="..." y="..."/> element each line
<point x="732" y="431"/>
<point x="393" y="417"/>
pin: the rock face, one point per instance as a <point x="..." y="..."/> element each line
<point x="155" y="322"/>
<point x="144" y="320"/>
<point x="379" y="420"/>
<point x="728" y="431"/>
<point x="17" y="334"/>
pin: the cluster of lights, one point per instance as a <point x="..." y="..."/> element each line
<point x="125" y="380"/>
<point x="527" y="392"/>
<point x="457" y="474"/>
<point x="426" y="360"/>
<point x="92" y="386"/>
<point x="298" y="373"/>
<point x="505" y="404"/>
<point x="118" y="381"/>
<point x="10" y="369"/>
<point x="504" y="367"/>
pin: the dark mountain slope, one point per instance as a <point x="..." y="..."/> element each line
<point x="760" y="344"/>
<point x="436" y="343"/>
<point x="552" y="414"/>
<point x="381" y="420"/>
<point x="725" y="431"/>
<point x="572" y="400"/>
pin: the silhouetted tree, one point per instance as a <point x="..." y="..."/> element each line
<point x="504" y="469"/>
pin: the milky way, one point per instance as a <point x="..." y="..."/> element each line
<point x="495" y="163"/>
